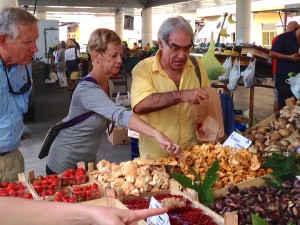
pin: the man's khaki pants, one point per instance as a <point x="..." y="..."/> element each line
<point x="10" y="165"/>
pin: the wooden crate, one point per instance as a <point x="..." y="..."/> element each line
<point x="256" y="181"/>
<point x="90" y="180"/>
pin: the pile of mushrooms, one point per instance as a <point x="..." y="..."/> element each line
<point x="273" y="136"/>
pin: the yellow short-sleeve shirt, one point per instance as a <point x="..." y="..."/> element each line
<point x="177" y="122"/>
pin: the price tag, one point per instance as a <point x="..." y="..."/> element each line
<point x="236" y="140"/>
<point x="162" y="219"/>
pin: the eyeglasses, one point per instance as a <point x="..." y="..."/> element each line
<point x="176" y="49"/>
<point x="24" y="88"/>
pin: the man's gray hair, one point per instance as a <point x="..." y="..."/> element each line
<point x="11" y="17"/>
<point x="174" y="24"/>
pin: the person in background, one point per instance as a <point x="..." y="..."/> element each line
<point x="81" y="142"/>
<point x="72" y="71"/>
<point x="285" y="51"/>
<point x="61" y="65"/>
<point x="135" y="46"/>
<point x="165" y="87"/>
<point x="54" y="58"/>
<point x="146" y="47"/>
<point x="18" y="36"/>
<point x="292" y="26"/>
<point x="16" y="211"/>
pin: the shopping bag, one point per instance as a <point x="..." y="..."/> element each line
<point x="295" y="85"/>
<point x="213" y="67"/>
<point x="249" y="74"/>
<point x="209" y="118"/>
<point x="50" y="136"/>
<point x="224" y="78"/>
<point x="234" y="75"/>
<point x="123" y="100"/>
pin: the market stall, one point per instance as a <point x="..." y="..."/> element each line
<point x="263" y="68"/>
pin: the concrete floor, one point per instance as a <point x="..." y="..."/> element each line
<point x="52" y="106"/>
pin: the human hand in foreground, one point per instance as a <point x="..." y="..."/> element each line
<point x="193" y="96"/>
<point x="16" y="211"/>
<point x="166" y="144"/>
<point x="113" y="216"/>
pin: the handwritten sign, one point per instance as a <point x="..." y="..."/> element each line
<point x="162" y="219"/>
<point x="236" y="140"/>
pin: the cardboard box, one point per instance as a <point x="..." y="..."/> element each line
<point x="119" y="136"/>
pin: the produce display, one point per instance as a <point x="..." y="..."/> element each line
<point x="274" y="205"/>
<point x="17" y="189"/>
<point x="205" y="169"/>
<point x="235" y="165"/>
<point x="74" y="176"/>
<point x="181" y="210"/>
<point x="78" y="193"/>
<point x="274" y="136"/>
<point x="46" y="186"/>
<point x="134" y="177"/>
<point x="142" y="175"/>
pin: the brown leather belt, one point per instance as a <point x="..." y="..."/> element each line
<point x="4" y="153"/>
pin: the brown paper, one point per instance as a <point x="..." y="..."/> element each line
<point x="209" y="118"/>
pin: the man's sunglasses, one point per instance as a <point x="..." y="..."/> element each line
<point x="24" y="88"/>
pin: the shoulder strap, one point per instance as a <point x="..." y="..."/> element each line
<point x="76" y="53"/>
<point x="196" y="65"/>
<point x="77" y="120"/>
<point x="90" y="79"/>
<point x="82" y="117"/>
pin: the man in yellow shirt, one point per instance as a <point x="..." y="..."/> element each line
<point x="165" y="87"/>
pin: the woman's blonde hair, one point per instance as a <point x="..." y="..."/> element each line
<point x="100" y="38"/>
<point x="70" y="43"/>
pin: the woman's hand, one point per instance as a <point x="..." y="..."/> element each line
<point x="166" y="143"/>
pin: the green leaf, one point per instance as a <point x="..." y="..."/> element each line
<point x="198" y="177"/>
<point x="280" y="164"/>
<point x="256" y="220"/>
<point x="278" y="156"/>
<point x="274" y="182"/>
<point x="184" y="181"/>
<point x="280" y="173"/>
<point x="206" y="196"/>
<point x="212" y="175"/>
<point x="204" y="189"/>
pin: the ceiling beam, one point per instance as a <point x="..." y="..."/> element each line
<point x="154" y="3"/>
<point x="85" y="3"/>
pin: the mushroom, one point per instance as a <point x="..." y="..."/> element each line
<point x="275" y="135"/>
<point x="285" y="143"/>
<point x="284" y="132"/>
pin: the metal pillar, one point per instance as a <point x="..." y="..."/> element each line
<point x="243" y="20"/>
<point x="147" y="26"/>
<point x="119" y="23"/>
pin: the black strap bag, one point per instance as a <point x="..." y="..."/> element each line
<point x="55" y="129"/>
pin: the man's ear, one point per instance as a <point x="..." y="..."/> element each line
<point x="160" y="44"/>
<point x="2" y="39"/>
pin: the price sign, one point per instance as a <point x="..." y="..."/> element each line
<point x="162" y="219"/>
<point x="236" y="140"/>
